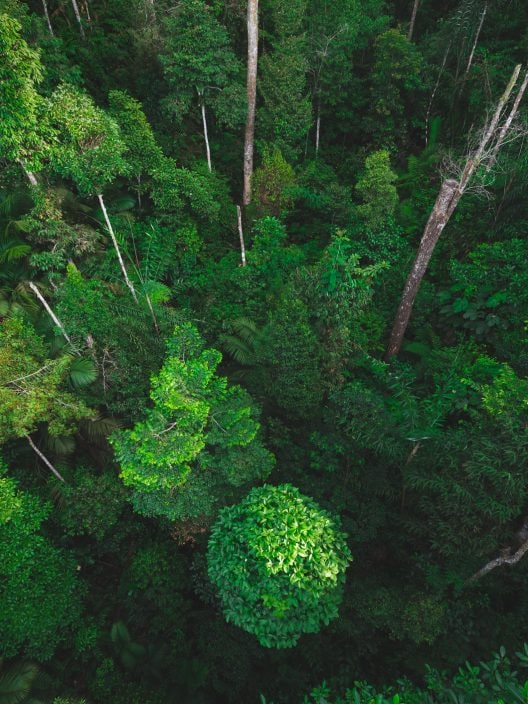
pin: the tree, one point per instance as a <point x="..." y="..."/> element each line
<point x="21" y="107"/>
<point x="278" y="563"/>
<point x="483" y="156"/>
<point x="199" y="63"/>
<point x="90" y="151"/>
<point x="38" y="589"/>
<point x="199" y="444"/>
<point x="251" y="87"/>
<point x="143" y="152"/>
<point x="396" y="87"/>
<point x="377" y="190"/>
<point x="286" y="113"/>
<point x="32" y="388"/>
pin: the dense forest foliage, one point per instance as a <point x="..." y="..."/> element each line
<point x="263" y="351"/>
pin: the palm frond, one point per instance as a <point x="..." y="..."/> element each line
<point x="16" y="681"/>
<point x="82" y="372"/>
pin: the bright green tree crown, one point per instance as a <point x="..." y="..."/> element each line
<point x="278" y="561"/>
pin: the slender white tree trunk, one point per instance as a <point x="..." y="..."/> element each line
<point x="44" y="459"/>
<point x="241" y="236"/>
<point x="46" y="15"/>
<point x="87" y="8"/>
<point x="252" y="31"/>
<point x="116" y="247"/>
<point x="317" y="129"/>
<point x="206" y="133"/>
<point x="78" y="17"/>
<point x="29" y="174"/>
<point x="50" y="312"/>
<point x="413" y="19"/>
<point x="479" y="29"/>
<point x="429" y="107"/>
<point x="448" y="198"/>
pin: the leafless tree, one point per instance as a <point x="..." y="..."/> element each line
<point x="477" y="35"/>
<point x="495" y="134"/>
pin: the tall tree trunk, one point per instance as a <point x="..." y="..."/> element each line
<point x="116" y="247"/>
<point x="206" y="134"/>
<point x="50" y="312"/>
<point x="477" y="35"/>
<point x="413" y="19"/>
<point x="78" y="16"/>
<point x="318" y="129"/>
<point x="436" y="223"/>
<point x="252" y="31"/>
<point x="450" y="193"/>
<point x="46" y="15"/>
<point x="44" y="458"/>
<point x="241" y="236"/>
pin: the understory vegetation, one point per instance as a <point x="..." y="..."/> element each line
<point x="263" y="352"/>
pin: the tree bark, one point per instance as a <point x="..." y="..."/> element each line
<point x="317" y="129"/>
<point x="116" y="247"/>
<point x="477" y="35"/>
<point x="50" y="312"/>
<point x="413" y="19"/>
<point x="44" y="459"/>
<point x="78" y="17"/>
<point x="252" y="31"/>
<point x="450" y="193"/>
<point x="436" y="223"/>
<point x="206" y="134"/>
<point x="29" y="174"/>
<point x="507" y="124"/>
<point x="241" y="236"/>
<point x="46" y="15"/>
<point x="87" y="8"/>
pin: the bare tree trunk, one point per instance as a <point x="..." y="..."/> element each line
<point x="317" y="129"/>
<point x="413" y="19"/>
<point x="505" y="558"/>
<point x="477" y="35"/>
<point x="206" y="134"/>
<point x="31" y="177"/>
<point x="116" y="247"/>
<point x="50" y="312"/>
<point x="46" y="15"/>
<point x="29" y="174"/>
<point x="241" y="236"/>
<point x="436" y="223"/>
<point x="507" y="124"/>
<point x="87" y="8"/>
<point x="499" y="562"/>
<point x="78" y="17"/>
<point x="450" y="193"/>
<point x="252" y="30"/>
<point x="44" y="459"/>
<point x="429" y="107"/>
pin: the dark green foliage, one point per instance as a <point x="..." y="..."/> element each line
<point x="230" y="372"/>
<point x="38" y="589"/>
